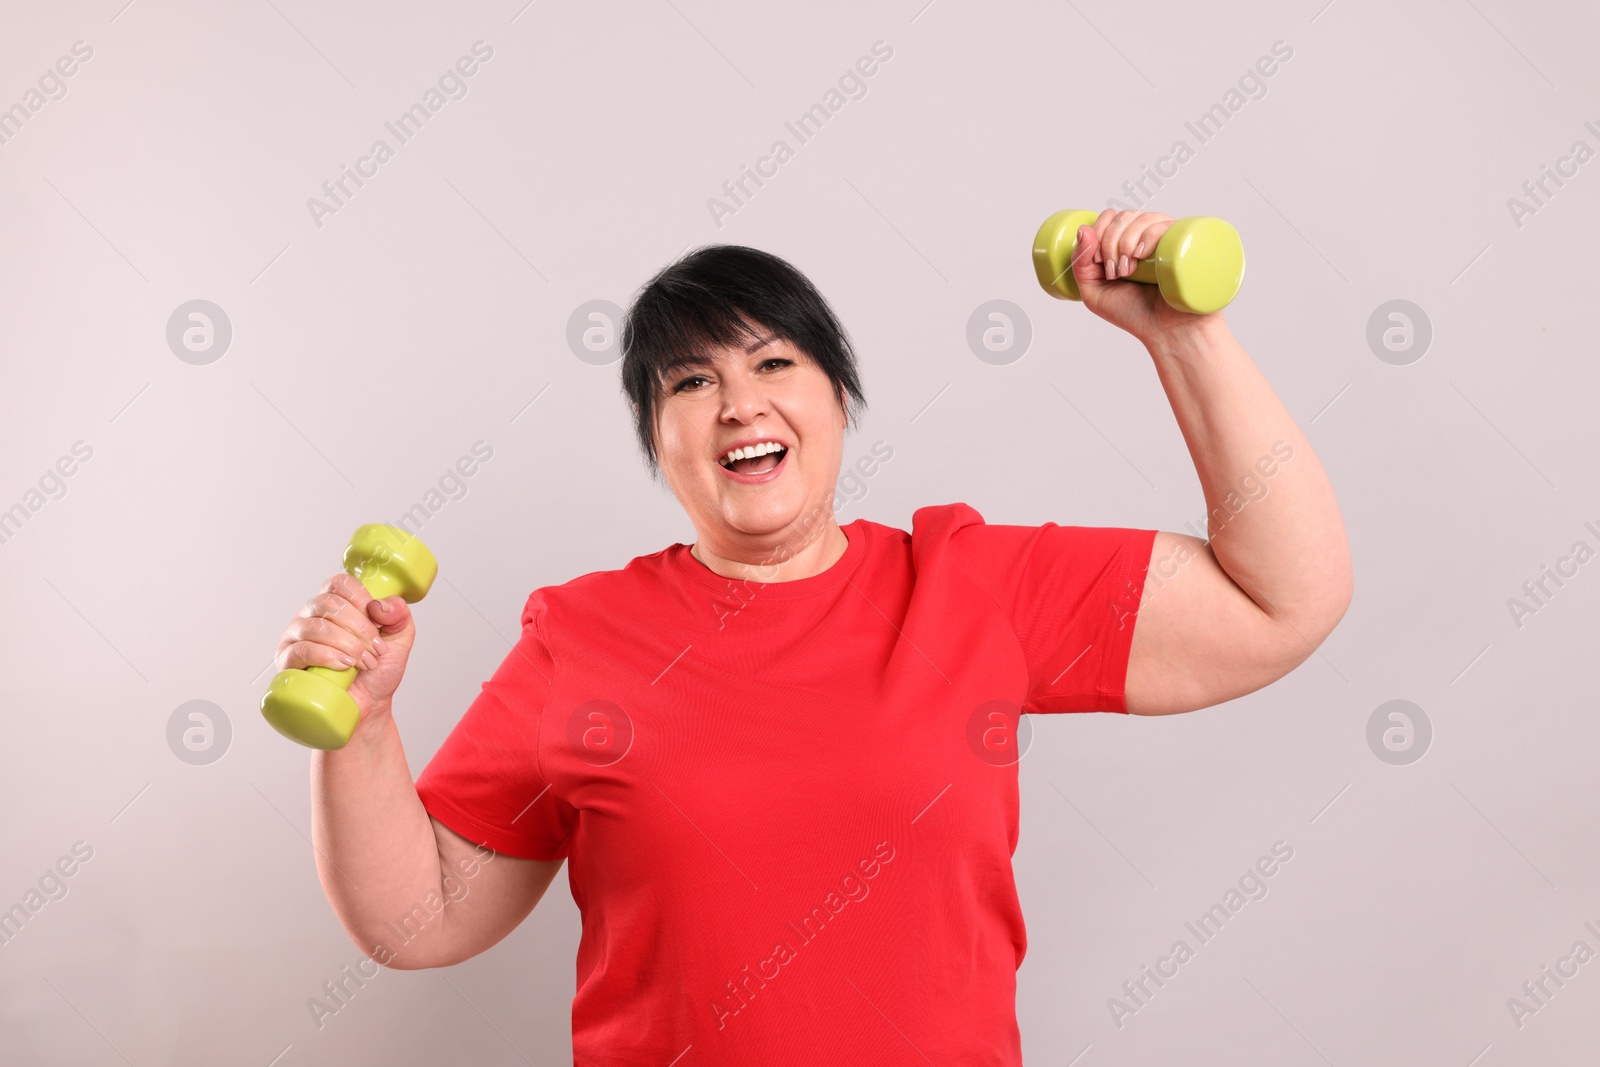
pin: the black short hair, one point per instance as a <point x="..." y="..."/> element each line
<point x="719" y="295"/>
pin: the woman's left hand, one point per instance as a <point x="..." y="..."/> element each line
<point x="1110" y="249"/>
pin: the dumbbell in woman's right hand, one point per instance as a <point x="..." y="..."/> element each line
<point x="343" y="627"/>
<point x="344" y="652"/>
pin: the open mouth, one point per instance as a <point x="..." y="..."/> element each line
<point x="760" y="464"/>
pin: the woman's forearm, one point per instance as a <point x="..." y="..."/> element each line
<point x="377" y="855"/>
<point x="1272" y="518"/>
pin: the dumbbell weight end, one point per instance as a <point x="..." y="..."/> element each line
<point x="311" y="706"/>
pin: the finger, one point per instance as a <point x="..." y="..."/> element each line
<point x="318" y="630"/>
<point x="299" y="654"/>
<point x="1141" y="237"/>
<point x="1112" y="245"/>
<point x="338" y="608"/>
<point x="345" y="585"/>
<point x="1101" y="223"/>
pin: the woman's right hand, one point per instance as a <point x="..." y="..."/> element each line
<point x="344" y="626"/>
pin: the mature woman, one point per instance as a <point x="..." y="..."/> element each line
<point x="780" y="761"/>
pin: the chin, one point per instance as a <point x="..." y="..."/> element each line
<point x="767" y="516"/>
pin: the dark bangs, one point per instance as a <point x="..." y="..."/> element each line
<point x="722" y="296"/>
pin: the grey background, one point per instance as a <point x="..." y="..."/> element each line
<point x="369" y="354"/>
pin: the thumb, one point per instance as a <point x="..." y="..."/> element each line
<point x="391" y="613"/>
<point x="1086" y="269"/>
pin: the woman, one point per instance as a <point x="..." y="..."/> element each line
<point x="780" y="760"/>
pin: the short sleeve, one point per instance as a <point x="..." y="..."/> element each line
<point x="1072" y="595"/>
<point x="485" y="782"/>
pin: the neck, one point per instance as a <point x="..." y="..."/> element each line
<point x="787" y="556"/>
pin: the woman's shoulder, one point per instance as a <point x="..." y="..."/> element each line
<point x="940" y="518"/>
<point x="608" y="589"/>
<point x="930" y="520"/>
<point x="934" y="527"/>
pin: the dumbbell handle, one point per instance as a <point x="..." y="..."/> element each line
<point x="1198" y="263"/>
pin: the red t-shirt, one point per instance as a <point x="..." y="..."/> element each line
<point x="789" y="809"/>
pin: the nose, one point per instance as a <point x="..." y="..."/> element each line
<point x="743" y="399"/>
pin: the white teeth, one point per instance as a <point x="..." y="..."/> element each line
<point x="753" y="450"/>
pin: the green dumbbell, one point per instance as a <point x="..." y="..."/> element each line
<point x="1198" y="263"/>
<point x="310" y="705"/>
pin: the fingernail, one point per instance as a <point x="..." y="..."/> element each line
<point x="1138" y="250"/>
<point x="383" y="606"/>
<point x="378" y="646"/>
<point x="347" y="661"/>
<point x="1122" y="265"/>
<point x="1082" y="231"/>
<point x="368" y="661"/>
<point x="1111" y="269"/>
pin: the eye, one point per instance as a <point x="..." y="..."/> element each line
<point x="778" y="360"/>
<point x="685" y="382"/>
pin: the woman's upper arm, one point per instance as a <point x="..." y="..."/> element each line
<point x="1199" y="639"/>
<point x="485" y="905"/>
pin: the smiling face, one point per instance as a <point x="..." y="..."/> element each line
<point x="769" y="393"/>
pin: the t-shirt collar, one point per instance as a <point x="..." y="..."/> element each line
<point x="683" y="561"/>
